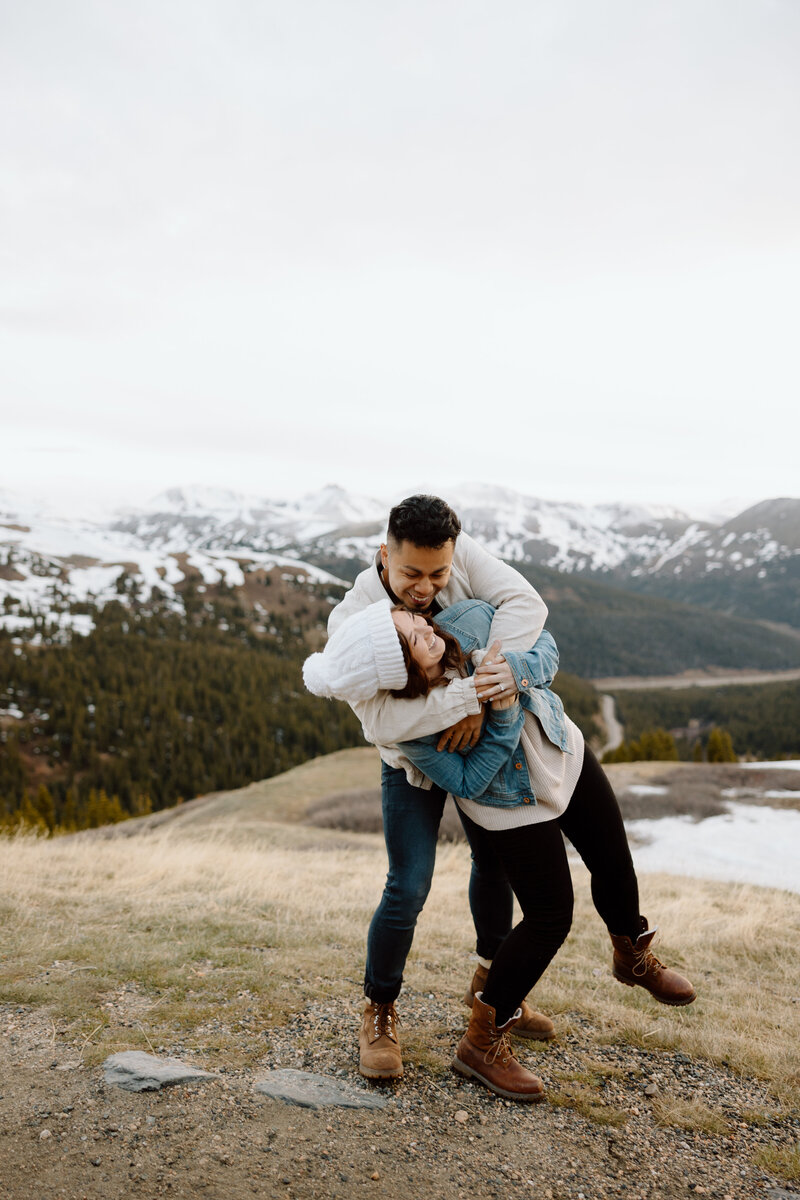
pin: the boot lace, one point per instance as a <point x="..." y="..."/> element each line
<point x="384" y="1020"/>
<point x="644" y="962"/>
<point x="500" y="1048"/>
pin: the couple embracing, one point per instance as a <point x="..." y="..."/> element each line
<point x="440" y="650"/>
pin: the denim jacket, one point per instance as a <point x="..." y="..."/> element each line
<point x="495" y="771"/>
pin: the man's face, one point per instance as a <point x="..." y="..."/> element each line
<point x="416" y="573"/>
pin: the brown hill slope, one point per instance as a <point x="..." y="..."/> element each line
<point x="232" y="936"/>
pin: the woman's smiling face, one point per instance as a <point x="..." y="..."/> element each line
<point x="424" y="643"/>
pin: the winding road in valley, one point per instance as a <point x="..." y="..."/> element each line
<point x="615" y="732"/>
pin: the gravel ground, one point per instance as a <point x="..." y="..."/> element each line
<point x="64" y="1133"/>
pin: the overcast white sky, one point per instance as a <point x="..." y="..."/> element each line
<point x="553" y="244"/>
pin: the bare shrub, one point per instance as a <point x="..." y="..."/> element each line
<point x="692" y="1114"/>
<point x="705" y="791"/>
<point x="356" y="811"/>
<point x="359" y="811"/>
<point x="698" y="798"/>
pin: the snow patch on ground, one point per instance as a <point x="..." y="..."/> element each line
<point x="748" y="844"/>
<point x="786" y="764"/>
<point x="13" y="623"/>
<point x="79" y="622"/>
<point x="205" y="566"/>
<point x="232" y="570"/>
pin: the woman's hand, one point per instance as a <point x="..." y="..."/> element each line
<point x="494" y="679"/>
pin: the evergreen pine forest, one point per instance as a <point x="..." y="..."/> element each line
<point x="160" y="703"/>
<point x="758" y="721"/>
<point x="154" y="707"/>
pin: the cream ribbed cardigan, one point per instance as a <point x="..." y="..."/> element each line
<point x="553" y="775"/>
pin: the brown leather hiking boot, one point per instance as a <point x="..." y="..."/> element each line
<point x="485" y="1053"/>
<point x="378" y="1043"/>
<point x="635" y="964"/>
<point x="531" y="1024"/>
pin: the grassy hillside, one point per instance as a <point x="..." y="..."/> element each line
<point x="184" y="913"/>
<point x="233" y="936"/>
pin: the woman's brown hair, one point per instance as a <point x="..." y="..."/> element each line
<point x="418" y="682"/>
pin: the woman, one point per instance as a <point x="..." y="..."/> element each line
<point x="529" y="779"/>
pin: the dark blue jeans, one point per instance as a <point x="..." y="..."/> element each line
<point x="411" y="819"/>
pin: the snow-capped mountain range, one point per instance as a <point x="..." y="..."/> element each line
<point x="212" y="534"/>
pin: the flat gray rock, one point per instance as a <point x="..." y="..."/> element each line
<point x="316" y="1091"/>
<point x="136" y="1071"/>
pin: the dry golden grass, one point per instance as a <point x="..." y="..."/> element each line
<point x="229" y="910"/>
<point x="693" y="1115"/>
<point x="585" y="1100"/>
<point x="196" y="925"/>
<point x="286" y="797"/>
<point x="783" y="1161"/>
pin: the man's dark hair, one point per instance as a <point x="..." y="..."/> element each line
<point x="424" y="521"/>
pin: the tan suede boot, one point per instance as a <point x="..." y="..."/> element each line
<point x="378" y="1042"/>
<point x="531" y="1024"/>
<point x="484" y="1053"/>
<point x="634" y="964"/>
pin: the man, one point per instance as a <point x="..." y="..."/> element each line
<point x="427" y="563"/>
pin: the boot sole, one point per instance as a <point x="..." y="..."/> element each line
<point x="533" y="1037"/>
<point x="660" y="999"/>
<point x="461" y="1068"/>
<point x="376" y="1073"/>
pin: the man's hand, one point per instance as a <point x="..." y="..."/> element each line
<point x="494" y="678"/>
<point x="464" y="733"/>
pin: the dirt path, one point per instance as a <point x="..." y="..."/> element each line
<point x="615" y="731"/>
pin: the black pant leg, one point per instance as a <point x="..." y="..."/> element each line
<point x="491" y="900"/>
<point x="535" y="862"/>
<point x="593" y="823"/>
